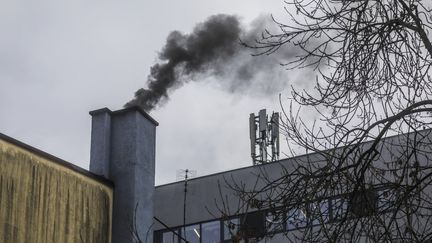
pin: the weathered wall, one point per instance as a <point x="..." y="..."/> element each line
<point x="44" y="201"/>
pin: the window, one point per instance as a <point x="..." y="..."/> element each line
<point x="364" y="203"/>
<point x="386" y="200"/>
<point x="210" y="232"/>
<point x="192" y="233"/>
<point x="296" y="218"/>
<point x="230" y="228"/>
<point x="339" y="207"/>
<point x="169" y="237"/>
<point x="275" y="221"/>
<point x="320" y="212"/>
<point x="253" y="224"/>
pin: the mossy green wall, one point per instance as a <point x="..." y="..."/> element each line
<point x="42" y="201"/>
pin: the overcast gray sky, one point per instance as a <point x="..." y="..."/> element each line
<point x="61" y="59"/>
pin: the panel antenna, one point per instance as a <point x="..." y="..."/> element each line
<point x="264" y="137"/>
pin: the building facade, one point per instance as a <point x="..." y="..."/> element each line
<point x="217" y="209"/>
<point x="45" y="199"/>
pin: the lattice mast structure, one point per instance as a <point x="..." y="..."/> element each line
<point x="264" y="137"/>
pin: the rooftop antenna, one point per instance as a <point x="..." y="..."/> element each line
<point x="186" y="174"/>
<point x="181" y="174"/>
<point x="264" y="137"/>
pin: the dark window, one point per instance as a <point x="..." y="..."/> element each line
<point x="169" y="237"/>
<point x="275" y="221"/>
<point x="364" y="203"/>
<point x="253" y="225"/>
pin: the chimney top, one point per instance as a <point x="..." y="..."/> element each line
<point x="134" y="108"/>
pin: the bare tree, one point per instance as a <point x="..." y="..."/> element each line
<point x="368" y="177"/>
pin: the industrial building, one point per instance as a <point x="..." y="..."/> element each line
<point x="215" y="213"/>
<point x="46" y="199"/>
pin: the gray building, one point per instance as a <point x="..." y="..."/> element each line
<point x="216" y="210"/>
<point x="213" y="209"/>
<point x="209" y="208"/>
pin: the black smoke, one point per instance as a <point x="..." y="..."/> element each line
<point x="212" y="49"/>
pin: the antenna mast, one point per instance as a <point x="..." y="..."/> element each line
<point x="264" y="137"/>
<point x="184" y="201"/>
<point x="185" y="175"/>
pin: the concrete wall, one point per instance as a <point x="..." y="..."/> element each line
<point x="123" y="151"/>
<point x="205" y="194"/>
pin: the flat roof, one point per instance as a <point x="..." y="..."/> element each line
<point x="130" y="108"/>
<point x="285" y="159"/>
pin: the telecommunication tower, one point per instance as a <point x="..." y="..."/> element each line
<point x="264" y="137"/>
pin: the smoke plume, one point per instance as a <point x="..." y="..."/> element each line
<point x="213" y="50"/>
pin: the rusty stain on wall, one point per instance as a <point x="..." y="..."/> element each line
<point x="43" y="201"/>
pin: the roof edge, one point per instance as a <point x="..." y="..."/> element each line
<point x="121" y="111"/>
<point x="56" y="160"/>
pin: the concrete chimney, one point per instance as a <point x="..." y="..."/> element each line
<point x="123" y="151"/>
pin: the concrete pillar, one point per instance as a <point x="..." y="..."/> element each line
<point x="100" y="142"/>
<point x="123" y="151"/>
